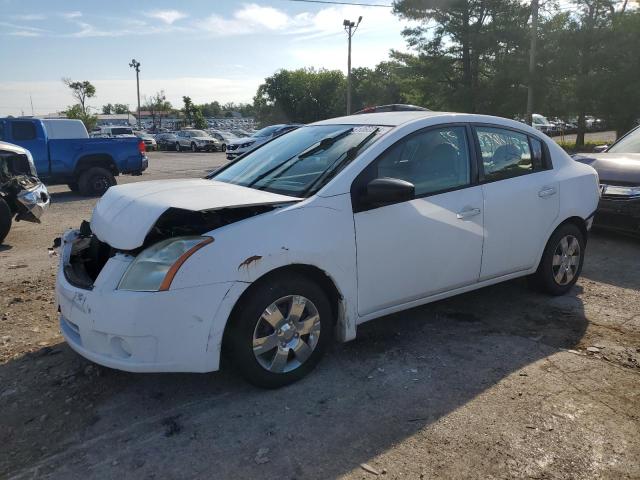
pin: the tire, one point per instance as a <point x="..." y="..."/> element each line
<point x="224" y="147"/>
<point x="559" y="266"/>
<point x="73" y="186"/>
<point x="248" y="323"/>
<point x="177" y="146"/>
<point x="96" y="181"/>
<point x="194" y="148"/>
<point x="5" y="219"/>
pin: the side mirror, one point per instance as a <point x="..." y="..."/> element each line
<point x="385" y="191"/>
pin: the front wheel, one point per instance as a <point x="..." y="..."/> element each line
<point x="561" y="262"/>
<point x="224" y="147"/>
<point x="194" y="148"/>
<point x="177" y="146"/>
<point x="280" y="331"/>
<point x="5" y="219"/>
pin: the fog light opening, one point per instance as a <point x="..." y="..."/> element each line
<point x="120" y="347"/>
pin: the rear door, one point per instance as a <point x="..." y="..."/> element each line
<point x="521" y="199"/>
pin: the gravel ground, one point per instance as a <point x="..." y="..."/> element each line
<point x="497" y="383"/>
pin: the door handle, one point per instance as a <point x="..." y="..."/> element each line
<point x="547" y="192"/>
<point x="468" y="213"/>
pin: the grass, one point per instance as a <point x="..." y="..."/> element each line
<point x="570" y="147"/>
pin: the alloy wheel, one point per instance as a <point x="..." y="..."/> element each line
<point x="286" y="334"/>
<point x="566" y="260"/>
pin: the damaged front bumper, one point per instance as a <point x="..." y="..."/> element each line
<point x="166" y="331"/>
<point x="32" y="202"/>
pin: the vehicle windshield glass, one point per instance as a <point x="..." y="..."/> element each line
<point x="121" y="131"/>
<point x="629" y="144"/>
<point x="266" y="131"/>
<point x="302" y="161"/>
<point x="198" y="133"/>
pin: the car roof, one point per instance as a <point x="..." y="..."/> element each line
<point x="391" y="119"/>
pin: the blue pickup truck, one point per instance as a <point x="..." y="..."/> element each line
<point x="64" y="154"/>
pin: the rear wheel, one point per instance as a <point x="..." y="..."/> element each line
<point x="224" y="147"/>
<point x="561" y="262"/>
<point x="96" y="181"/>
<point x="194" y="148"/>
<point x="177" y="146"/>
<point x="5" y="219"/>
<point x="279" y="332"/>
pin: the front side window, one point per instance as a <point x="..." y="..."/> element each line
<point x="433" y="161"/>
<point x="303" y="161"/>
<point x="23" y="130"/>
<point x="505" y="153"/>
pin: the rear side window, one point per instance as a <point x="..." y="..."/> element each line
<point x="1" y="130"/>
<point x="505" y="153"/>
<point x="23" y="130"/>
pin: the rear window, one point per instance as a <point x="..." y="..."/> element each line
<point x="23" y="130"/>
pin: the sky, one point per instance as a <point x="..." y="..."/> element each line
<point x="206" y="49"/>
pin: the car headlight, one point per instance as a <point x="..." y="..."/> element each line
<point x="154" y="268"/>
<point x="620" y="190"/>
<point x="244" y="145"/>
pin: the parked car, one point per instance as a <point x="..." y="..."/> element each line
<point x="166" y="141"/>
<point x="196" y="141"/>
<point x="224" y="137"/>
<point x="244" y="145"/>
<point x="619" y="170"/>
<point x="88" y="165"/>
<point x="317" y="231"/>
<point x="540" y="123"/>
<point x="149" y="141"/>
<point x="22" y="195"/>
<point x="116" y="131"/>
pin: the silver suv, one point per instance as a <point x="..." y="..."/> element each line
<point x="196" y="141"/>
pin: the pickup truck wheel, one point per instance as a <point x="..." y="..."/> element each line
<point x="5" y="219"/>
<point x="73" y="186"/>
<point x="96" y="181"/>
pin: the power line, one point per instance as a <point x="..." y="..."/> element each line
<point x="328" y="2"/>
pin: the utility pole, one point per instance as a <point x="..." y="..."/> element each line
<point x="350" y="27"/>
<point x="136" y="65"/>
<point x="532" y="60"/>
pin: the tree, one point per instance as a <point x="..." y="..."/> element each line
<point x="157" y="105"/>
<point x="107" y="109"/>
<point x="120" y="108"/>
<point x="198" y="118"/>
<point x="303" y="95"/>
<point x="212" y="109"/>
<point x="188" y="109"/>
<point x="81" y="91"/>
<point x="76" y="112"/>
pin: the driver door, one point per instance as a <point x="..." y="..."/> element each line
<point x="430" y="244"/>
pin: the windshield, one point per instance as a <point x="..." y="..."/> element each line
<point x="267" y="131"/>
<point x="630" y="143"/>
<point x="302" y="161"/>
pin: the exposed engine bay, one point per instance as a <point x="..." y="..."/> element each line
<point x="89" y="255"/>
<point x="20" y="188"/>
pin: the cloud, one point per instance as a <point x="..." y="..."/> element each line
<point x="167" y="16"/>
<point x="71" y="15"/>
<point x="28" y="17"/>
<point x="24" y="33"/>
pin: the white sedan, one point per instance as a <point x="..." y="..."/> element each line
<point x="314" y="233"/>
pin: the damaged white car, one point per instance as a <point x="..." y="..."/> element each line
<point x="315" y="232"/>
<point x="22" y="194"/>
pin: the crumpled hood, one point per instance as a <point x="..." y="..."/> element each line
<point x="126" y="213"/>
<point x="616" y="168"/>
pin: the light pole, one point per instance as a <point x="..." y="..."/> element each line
<point x="136" y="65"/>
<point x="350" y="27"/>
